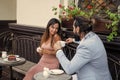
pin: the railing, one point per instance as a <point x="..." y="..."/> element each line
<point x="69" y="51"/>
<point x="25" y="46"/>
<point x="5" y="40"/>
<point x="114" y="66"/>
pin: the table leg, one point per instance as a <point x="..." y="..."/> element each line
<point x="11" y="73"/>
<point x="0" y="71"/>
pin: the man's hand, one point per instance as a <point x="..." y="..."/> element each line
<point x="70" y="40"/>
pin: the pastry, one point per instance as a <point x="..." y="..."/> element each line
<point x="12" y="58"/>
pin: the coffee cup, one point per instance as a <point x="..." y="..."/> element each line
<point x="38" y="49"/>
<point x="62" y="43"/>
<point x="46" y="74"/>
<point x="4" y="54"/>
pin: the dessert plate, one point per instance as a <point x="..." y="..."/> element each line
<point x="14" y="55"/>
<point x="56" y="71"/>
<point x="6" y="59"/>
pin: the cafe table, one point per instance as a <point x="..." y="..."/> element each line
<point x="5" y="62"/>
<point x="63" y="76"/>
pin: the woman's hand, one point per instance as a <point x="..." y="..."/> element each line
<point x="39" y="50"/>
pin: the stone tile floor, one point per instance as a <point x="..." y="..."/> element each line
<point x="6" y="75"/>
<point x="4" y="78"/>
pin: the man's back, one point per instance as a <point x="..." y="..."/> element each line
<point x="92" y="51"/>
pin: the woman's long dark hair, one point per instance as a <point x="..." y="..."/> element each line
<point x="46" y="36"/>
<point x="84" y="24"/>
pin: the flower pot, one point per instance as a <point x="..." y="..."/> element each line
<point x="100" y="26"/>
<point x="67" y="23"/>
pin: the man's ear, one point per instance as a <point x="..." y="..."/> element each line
<point x="77" y="29"/>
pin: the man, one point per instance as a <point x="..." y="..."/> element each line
<point x="90" y="61"/>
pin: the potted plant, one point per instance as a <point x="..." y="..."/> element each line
<point x="67" y="14"/>
<point x="88" y="10"/>
<point x="107" y="20"/>
<point x="108" y="25"/>
<point x="114" y="24"/>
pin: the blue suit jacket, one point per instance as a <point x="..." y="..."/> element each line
<point x="90" y="61"/>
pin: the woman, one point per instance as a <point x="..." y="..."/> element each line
<point x="48" y="59"/>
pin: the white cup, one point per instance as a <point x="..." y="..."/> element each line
<point x="46" y="69"/>
<point x="46" y="74"/>
<point x="4" y="54"/>
<point x="38" y="49"/>
<point x="62" y="43"/>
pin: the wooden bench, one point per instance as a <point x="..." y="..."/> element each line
<point x="24" y="68"/>
<point x="20" y="71"/>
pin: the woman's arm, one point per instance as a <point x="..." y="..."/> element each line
<point x="49" y="51"/>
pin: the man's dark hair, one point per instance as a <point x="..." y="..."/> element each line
<point x="84" y="24"/>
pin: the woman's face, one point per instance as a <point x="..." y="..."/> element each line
<point x="53" y="29"/>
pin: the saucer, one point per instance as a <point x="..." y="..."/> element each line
<point x="6" y="59"/>
<point x="56" y="71"/>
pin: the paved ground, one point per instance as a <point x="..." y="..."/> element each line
<point x="6" y="75"/>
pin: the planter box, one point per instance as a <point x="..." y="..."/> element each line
<point x="100" y="26"/>
<point x="67" y="23"/>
